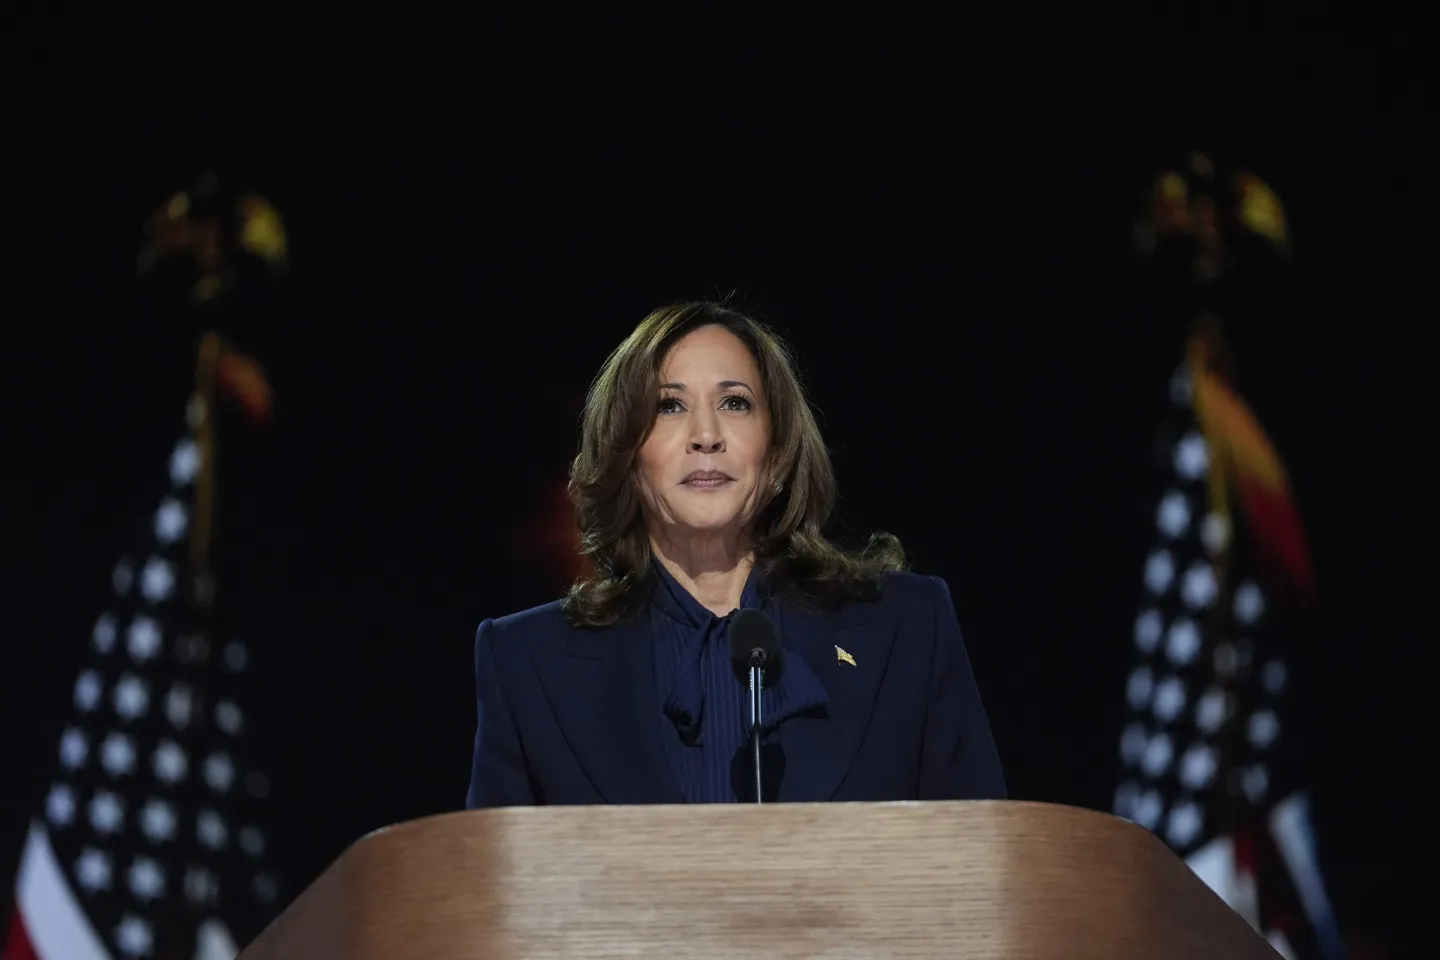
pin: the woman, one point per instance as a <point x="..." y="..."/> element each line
<point x="701" y="487"/>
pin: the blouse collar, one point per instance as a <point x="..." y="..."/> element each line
<point x="679" y="605"/>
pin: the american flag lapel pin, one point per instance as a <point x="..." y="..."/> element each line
<point x="841" y="656"/>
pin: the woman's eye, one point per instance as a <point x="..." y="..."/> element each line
<point x="668" y="405"/>
<point x="735" y="403"/>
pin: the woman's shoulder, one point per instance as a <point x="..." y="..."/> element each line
<point x="921" y="600"/>
<point x="526" y="627"/>
<point x="907" y="587"/>
<point x="900" y="592"/>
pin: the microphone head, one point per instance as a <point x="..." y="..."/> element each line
<point x="753" y="639"/>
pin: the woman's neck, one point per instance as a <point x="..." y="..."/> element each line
<point x="713" y="570"/>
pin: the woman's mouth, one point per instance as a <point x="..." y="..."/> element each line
<point x="706" y="479"/>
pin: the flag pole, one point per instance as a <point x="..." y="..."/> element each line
<point x="202" y="414"/>
<point x="178" y="227"/>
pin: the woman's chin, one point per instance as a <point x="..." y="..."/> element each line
<point x="709" y="524"/>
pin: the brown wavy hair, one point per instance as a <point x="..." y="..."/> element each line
<point x="787" y="533"/>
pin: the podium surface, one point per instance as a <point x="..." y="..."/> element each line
<point x="971" y="879"/>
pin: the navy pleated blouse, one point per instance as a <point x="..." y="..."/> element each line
<point x="704" y="700"/>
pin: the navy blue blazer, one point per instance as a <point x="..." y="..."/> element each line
<point x="569" y="716"/>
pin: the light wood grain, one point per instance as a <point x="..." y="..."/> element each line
<point x="958" y="880"/>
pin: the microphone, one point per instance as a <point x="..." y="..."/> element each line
<point x="755" y="646"/>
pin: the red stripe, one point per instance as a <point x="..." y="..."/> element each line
<point x="1244" y="852"/>
<point x="1278" y="535"/>
<point x="17" y="945"/>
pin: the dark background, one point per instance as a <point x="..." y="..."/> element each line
<point x="478" y="216"/>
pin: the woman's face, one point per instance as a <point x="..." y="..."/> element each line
<point x="702" y="467"/>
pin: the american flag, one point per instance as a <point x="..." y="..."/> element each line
<point x="152" y="831"/>
<point x="151" y="839"/>
<point x="1210" y="687"/>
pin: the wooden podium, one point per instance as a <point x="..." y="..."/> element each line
<point x="956" y="880"/>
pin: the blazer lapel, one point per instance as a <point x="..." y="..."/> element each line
<point x="602" y="689"/>
<point x="819" y="747"/>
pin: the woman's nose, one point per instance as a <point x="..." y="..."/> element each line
<point x="707" y="442"/>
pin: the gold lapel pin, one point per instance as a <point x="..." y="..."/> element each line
<point x="843" y="657"/>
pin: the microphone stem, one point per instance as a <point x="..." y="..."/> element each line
<point x="756" y="681"/>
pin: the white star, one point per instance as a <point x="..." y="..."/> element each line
<point x="104" y="633"/>
<point x="93" y="870"/>
<point x="133" y="936"/>
<point x="170" y="521"/>
<point x="210" y="829"/>
<point x="1159" y="572"/>
<point x="74" y="749"/>
<point x="1148" y="627"/>
<point x="170" y="763"/>
<point x="179" y="703"/>
<point x="1211" y="711"/>
<point x="87" y="691"/>
<point x="1139" y="687"/>
<point x="1184" y="825"/>
<point x="214" y="942"/>
<point x="252" y="841"/>
<point x="1214" y="533"/>
<point x="236" y="656"/>
<point x="117" y="754"/>
<point x="1126" y="796"/>
<point x="1173" y="515"/>
<point x="1148" y="809"/>
<point x="219" y="772"/>
<point x="131" y="697"/>
<point x="1264" y="728"/>
<point x="1198" y="587"/>
<point x="1169" y="699"/>
<point x="157" y="820"/>
<point x="184" y="462"/>
<point x="1132" y="743"/>
<point x="157" y="580"/>
<point x="60" y="805"/>
<point x="227" y="715"/>
<point x="200" y="885"/>
<point x="107" y="814"/>
<point x="123" y="577"/>
<point x="1181" y="392"/>
<point x="1157" y="755"/>
<point x="1183" y="643"/>
<point x="1191" y="457"/>
<point x="1197" y="766"/>
<point x="1256" y="783"/>
<point x="1249" y="604"/>
<point x="143" y="638"/>
<point x="147" y="880"/>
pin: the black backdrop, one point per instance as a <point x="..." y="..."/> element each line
<point x="476" y="222"/>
